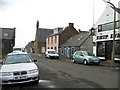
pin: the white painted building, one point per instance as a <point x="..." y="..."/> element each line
<point x="104" y="35"/>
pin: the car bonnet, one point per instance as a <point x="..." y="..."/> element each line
<point x="18" y="67"/>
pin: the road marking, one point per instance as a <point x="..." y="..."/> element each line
<point x="117" y="68"/>
<point x="39" y="55"/>
<point x="44" y="81"/>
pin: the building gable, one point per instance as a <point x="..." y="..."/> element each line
<point x="68" y="32"/>
<point x="43" y="33"/>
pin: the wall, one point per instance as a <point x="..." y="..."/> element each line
<point x="54" y="44"/>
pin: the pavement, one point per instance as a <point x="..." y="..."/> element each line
<point x="109" y="63"/>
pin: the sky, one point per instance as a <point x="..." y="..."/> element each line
<point x="23" y="15"/>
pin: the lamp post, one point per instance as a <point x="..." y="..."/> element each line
<point x="113" y="46"/>
<point x="92" y="30"/>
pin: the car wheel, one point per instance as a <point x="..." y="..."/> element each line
<point x="73" y="60"/>
<point x="46" y="56"/>
<point x="36" y="82"/>
<point x="85" y="62"/>
<point x="98" y="63"/>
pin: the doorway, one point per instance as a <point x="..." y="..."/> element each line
<point x="108" y="50"/>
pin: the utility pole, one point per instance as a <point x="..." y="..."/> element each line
<point x="113" y="46"/>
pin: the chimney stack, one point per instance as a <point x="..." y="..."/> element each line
<point x="71" y="24"/>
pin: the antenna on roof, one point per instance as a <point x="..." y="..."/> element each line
<point x="93" y="14"/>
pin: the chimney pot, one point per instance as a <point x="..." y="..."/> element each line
<point x="71" y="24"/>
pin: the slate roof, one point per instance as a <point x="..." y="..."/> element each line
<point x="7" y="33"/>
<point x="43" y="33"/>
<point x="76" y="40"/>
<point x="62" y="30"/>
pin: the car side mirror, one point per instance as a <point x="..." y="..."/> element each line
<point x="35" y="60"/>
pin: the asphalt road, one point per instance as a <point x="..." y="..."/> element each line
<point x="56" y="73"/>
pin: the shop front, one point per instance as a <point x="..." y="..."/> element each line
<point x="104" y="49"/>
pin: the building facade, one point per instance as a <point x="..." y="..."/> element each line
<point x="7" y="40"/>
<point x="40" y="38"/>
<point x="30" y="47"/>
<point x="81" y="41"/>
<point x="104" y="35"/>
<point x="60" y="36"/>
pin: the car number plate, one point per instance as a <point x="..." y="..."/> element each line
<point x="96" y="61"/>
<point x="20" y="77"/>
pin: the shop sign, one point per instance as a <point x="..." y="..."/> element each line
<point x="102" y="37"/>
<point x="116" y="35"/>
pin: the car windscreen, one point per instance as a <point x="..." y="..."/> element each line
<point x="51" y="52"/>
<point x="87" y="54"/>
<point x="17" y="58"/>
<point x="16" y="49"/>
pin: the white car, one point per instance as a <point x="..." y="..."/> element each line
<point x="51" y="53"/>
<point x="15" y="49"/>
<point x="19" y="67"/>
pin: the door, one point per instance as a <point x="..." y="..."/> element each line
<point x="68" y="52"/>
<point x="108" y="50"/>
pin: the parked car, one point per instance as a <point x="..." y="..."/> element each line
<point x="51" y="53"/>
<point x="15" y="49"/>
<point x="85" y="57"/>
<point x="19" y="67"/>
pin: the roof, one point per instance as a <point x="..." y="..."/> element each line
<point x="77" y="39"/>
<point x="43" y="33"/>
<point x="7" y="33"/>
<point x="62" y="30"/>
<point x="18" y="52"/>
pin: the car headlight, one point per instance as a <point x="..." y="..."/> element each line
<point x="33" y="71"/>
<point x="6" y="73"/>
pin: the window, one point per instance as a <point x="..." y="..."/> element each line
<point x="108" y="26"/>
<point x="52" y="40"/>
<point x="99" y="28"/>
<point x="72" y="50"/>
<point x="101" y="49"/>
<point x="48" y="40"/>
<point x="117" y="49"/>
<point x="62" y="51"/>
<point x="56" y="48"/>
<point x="20" y="58"/>
<point x="55" y="39"/>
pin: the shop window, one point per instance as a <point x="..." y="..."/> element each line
<point x="101" y="49"/>
<point x="117" y="49"/>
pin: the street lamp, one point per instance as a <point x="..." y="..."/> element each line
<point x="92" y="30"/>
<point x="113" y="46"/>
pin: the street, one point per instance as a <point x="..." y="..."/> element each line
<point x="56" y="73"/>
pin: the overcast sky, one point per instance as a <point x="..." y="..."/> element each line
<point x="23" y="14"/>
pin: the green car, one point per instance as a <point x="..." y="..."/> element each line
<point x="85" y="57"/>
